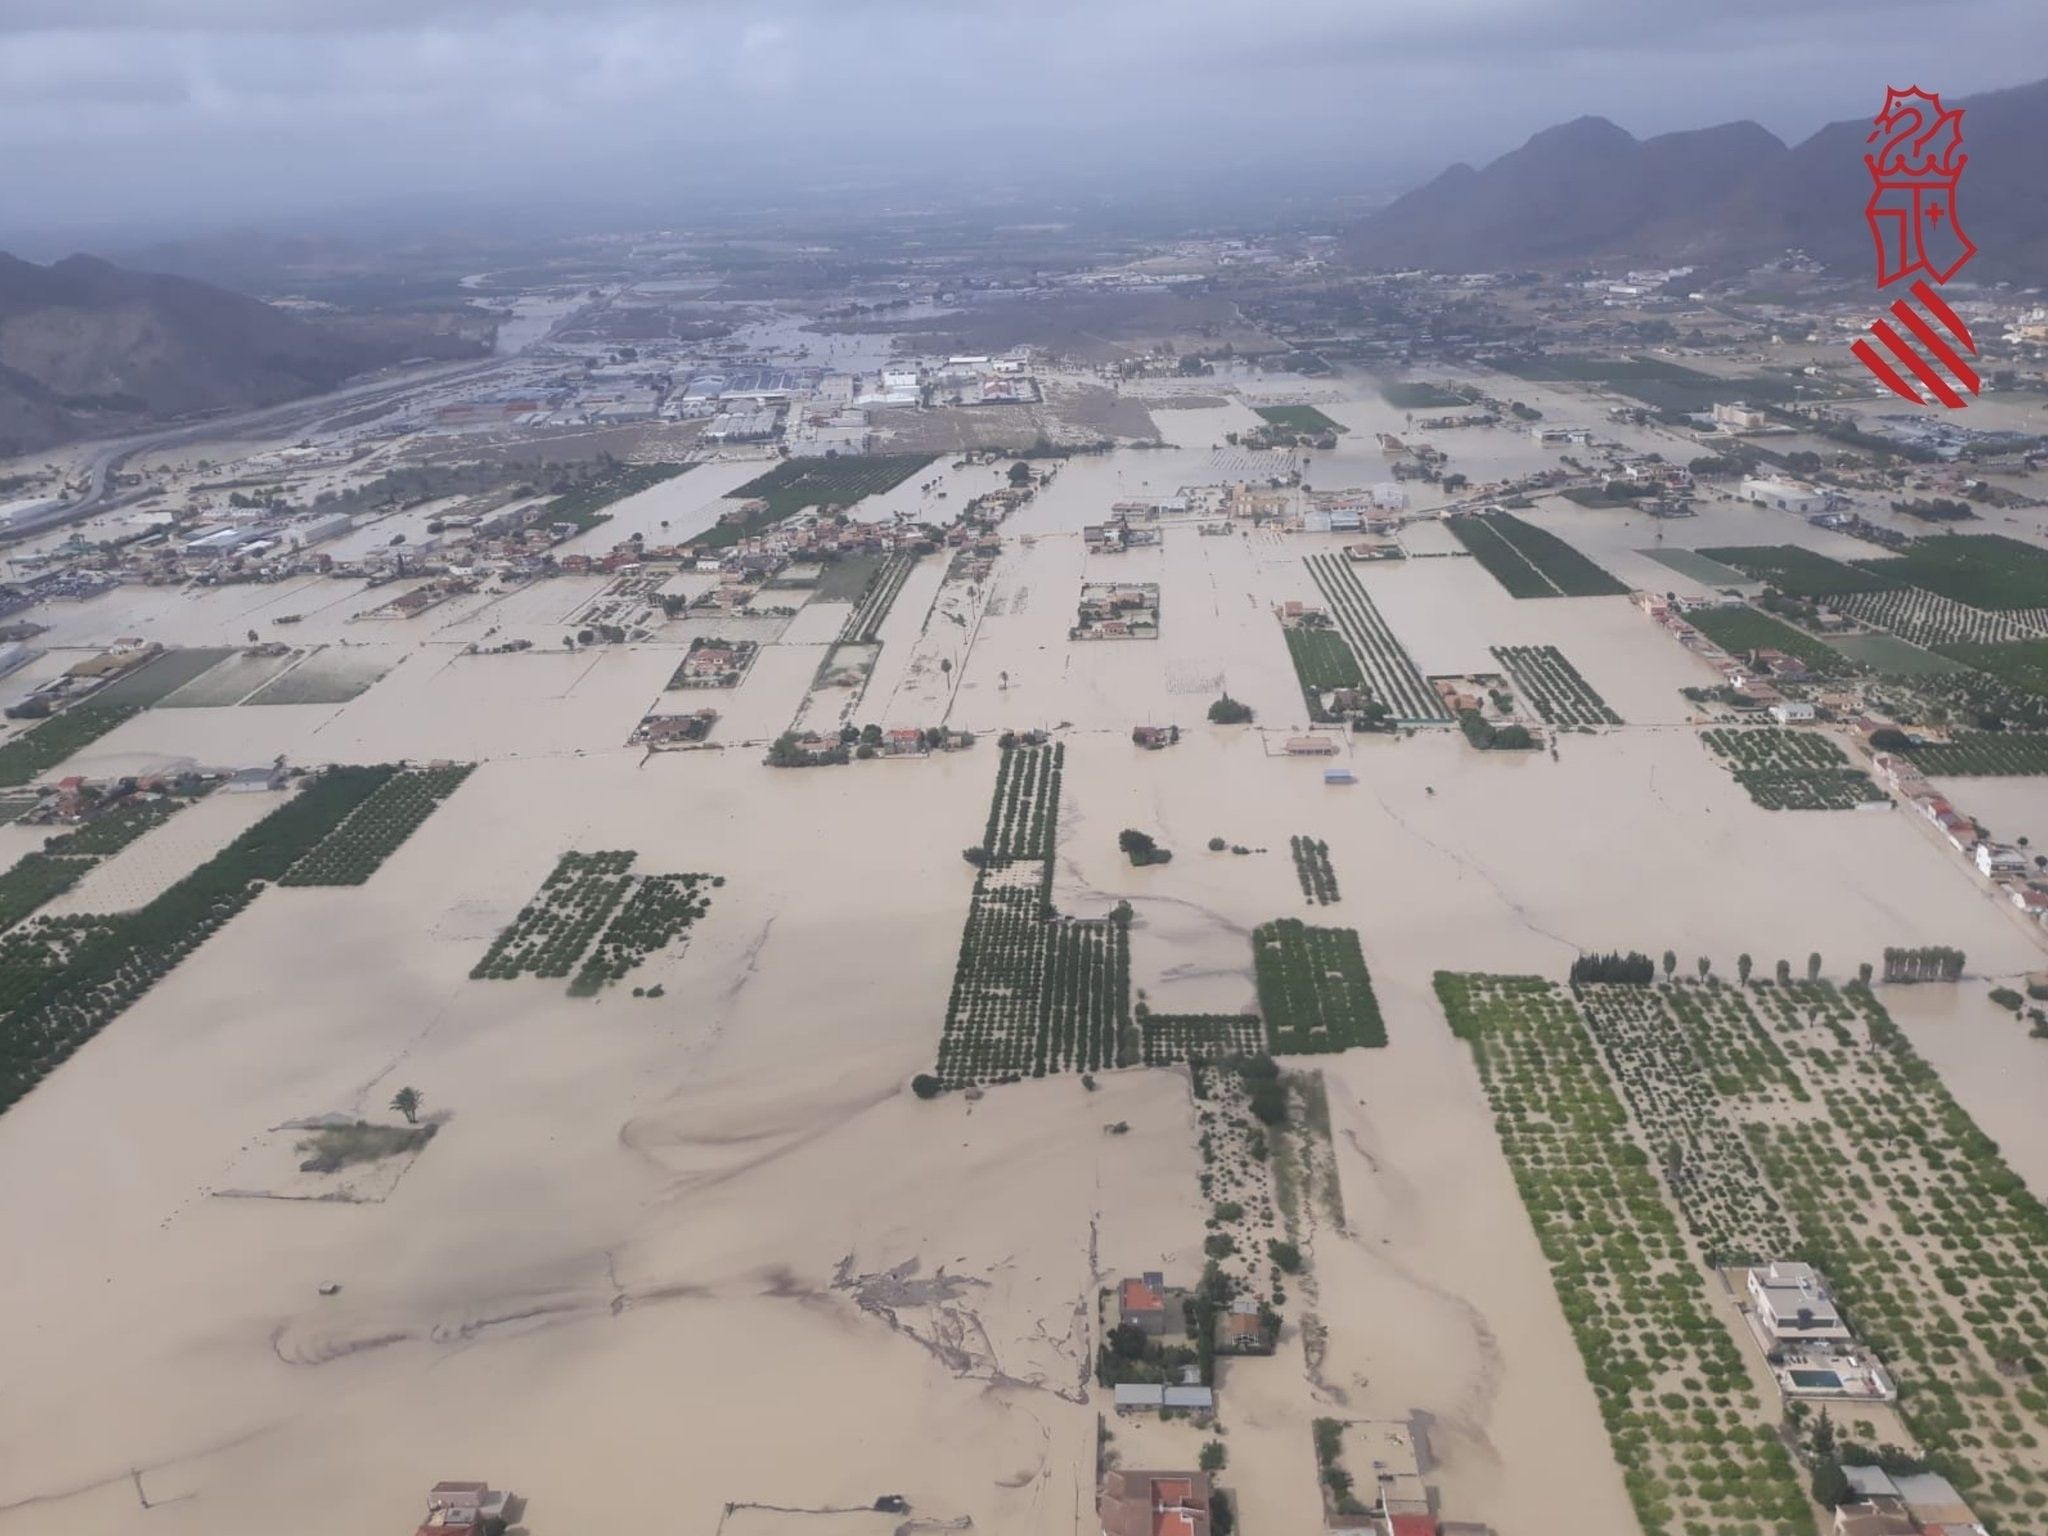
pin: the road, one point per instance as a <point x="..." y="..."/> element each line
<point x="107" y="457"/>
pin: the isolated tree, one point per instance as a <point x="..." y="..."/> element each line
<point x="407" y="1102"/>
<point x="1670" y="963"/>
<point x="252" y="637"/>
<point x="1813" y="966"/>
<point x="1784" y="973"/>
<point x="1743" y="966"/>
<point x="1706" y="967"/>
<point x="1863" y="973"/>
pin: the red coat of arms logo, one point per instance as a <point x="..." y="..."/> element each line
<point x="1914" y="170"/>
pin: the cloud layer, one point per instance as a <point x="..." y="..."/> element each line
<point x="275" y="111"/>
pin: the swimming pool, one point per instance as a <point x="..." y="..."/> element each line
<point x="1827" y="1380"/>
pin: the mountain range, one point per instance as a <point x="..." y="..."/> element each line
<point x="88" y="348"/>
<point x="1589" y="191"/>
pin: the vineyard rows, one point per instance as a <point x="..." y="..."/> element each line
<point x="1929" y="619"/>
<point x="1390" y="673"/>
<point x="1553" y="686"/>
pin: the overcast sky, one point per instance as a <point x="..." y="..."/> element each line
<point x="281" y="114"/>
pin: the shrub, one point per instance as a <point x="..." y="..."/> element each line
<point x="1285" y="1254"/>
<point x="1228" y="711"/>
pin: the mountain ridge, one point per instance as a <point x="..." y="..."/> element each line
<point x="88" y="347"/>
<point x="1588" y="190"/>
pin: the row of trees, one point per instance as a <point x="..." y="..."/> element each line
<point x="1930" y="962"/>
<point x="1632" y="969"/>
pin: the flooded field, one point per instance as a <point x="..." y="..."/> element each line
<point x="729" y="1179"/>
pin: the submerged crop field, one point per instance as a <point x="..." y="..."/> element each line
<point x="1797" y="1120"/>
<point x="42" y="747"/>
<point x="1983" y="754"/>
<point x="1695" y="1441"/>
<point x="1786" y="770"/>
<point x="1314" y="989"/>
<point x="1530" y="561"/>
<point x="69" y="979"/>
<point x="1982" y="570"/>
<point x="1553" y="686"/>
<point x="1740" y="631"/>
<point x="1305" y="419"/>
<point x="1797" y="571"/>
<point x="795" y="484"/>
<point x="357" y="849"/>
<point x="1033" y="992"/>
<point x="1390" y="672"/>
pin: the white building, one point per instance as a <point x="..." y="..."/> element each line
<point x="1785" y="495"/>
<point x="1793" y="1305"/>
<point x="2000" y="859"/>
<point x="1734" y="416"/>
<point x="1792" y="712"/>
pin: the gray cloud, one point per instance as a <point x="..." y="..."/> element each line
<point x="258" y="110"/>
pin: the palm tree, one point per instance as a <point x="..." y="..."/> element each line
<point x="407" y="1102"/>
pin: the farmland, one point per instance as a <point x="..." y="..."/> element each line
<point x="1553" y="686"/>
<point x="1685" y="1421"/>
<point x="1739" y="631"/>
<point x="795" y="484"/>
<point x="1390" y="673"/>
<point x="1982" y="570"/>
<point x="2021" y="664"/>
<point x="1323" y="660"/>
<point x="1023" y="813"/>
<point x="1033" y="992"/>
<point x="584" y="506"/>
<point x="1787" y="770"/>
<point x="93" y="968"/>
<point x="154" y="680"/>
<point x="877" y="598"/>
<point x="356" y="849"/>
<point x="1176" y="1037"/>
<point x="1312" y="867"/>
<point x="1797" y="571"/>
<point x="1303" y="419"/>
<point x="1929" y="619"/>
<point x="1984" y="754"/>
<point x="660" y="910"/>
<point x="569" y="911"/>
<point x="1797" y="1118"/>
<point x="1314" y="989"/>
<point x="33" y="879"/>
<point x="1530" y="561"/>
<point x="34" y="753"/>
<point x="1420" y="395"/>
<point x="1662" y="385"/>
